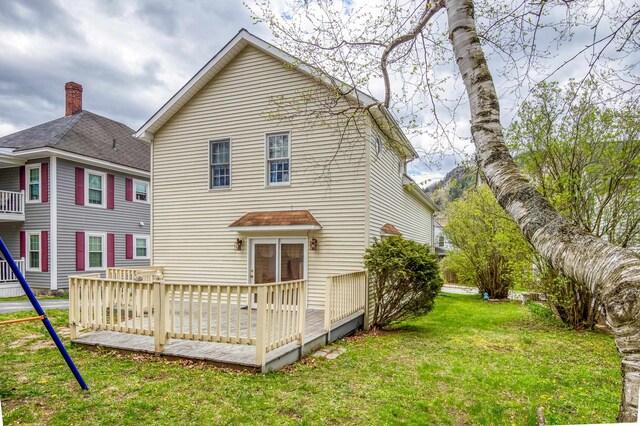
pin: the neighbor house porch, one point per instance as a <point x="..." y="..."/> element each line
<point x="9" y="285"/>
<point x="252" y="326"/>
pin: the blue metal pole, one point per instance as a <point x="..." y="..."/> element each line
<point x="40" y="311"/>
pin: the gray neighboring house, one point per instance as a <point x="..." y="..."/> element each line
<point x="74" y="196"/>
<point x="442" y="243"/>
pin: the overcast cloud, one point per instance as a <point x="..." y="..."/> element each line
<point x="130" y="56"/>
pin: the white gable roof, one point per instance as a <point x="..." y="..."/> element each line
<point x="220" y="60"/>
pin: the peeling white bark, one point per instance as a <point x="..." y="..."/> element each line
<point x="611" y="272"/>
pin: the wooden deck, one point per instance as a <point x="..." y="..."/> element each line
<point x="241" y="356"/>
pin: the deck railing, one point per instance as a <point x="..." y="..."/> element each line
<point x="11" y="202"/>
<point x="265" y="315"/>
<point x="6" y="273"/>
<point x="140" y="273"/>
<point x="345" y="295"/>
<point x="97" y="303"/>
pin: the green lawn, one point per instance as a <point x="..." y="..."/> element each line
<point x="468" y="362"/>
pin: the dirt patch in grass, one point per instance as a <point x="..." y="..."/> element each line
<point x="23" y="340"/>
<point x="374" y="332"/>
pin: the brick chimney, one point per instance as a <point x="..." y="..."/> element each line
<point x="73" y="98"/>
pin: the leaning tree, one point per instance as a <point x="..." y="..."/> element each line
<point x="419" y="49"/>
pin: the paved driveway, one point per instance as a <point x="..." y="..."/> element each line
<point x="6" y="307"/>
<point x="458" y="289"/>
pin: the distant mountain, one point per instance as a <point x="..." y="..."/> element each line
<point x="452" y="186"/>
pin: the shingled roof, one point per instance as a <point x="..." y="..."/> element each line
<point x="87" y="134"/>
<point x="277" y="218"/>
<point x="389" y="229"/>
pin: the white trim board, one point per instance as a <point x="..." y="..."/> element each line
<point x="53" y="228"/>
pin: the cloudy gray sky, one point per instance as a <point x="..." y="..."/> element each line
<point x="130" y="56"/>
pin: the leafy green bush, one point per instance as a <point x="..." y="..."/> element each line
<point x="489" y="251"/>
<point x="574" y="303"/>
<point x="405" y="277"/>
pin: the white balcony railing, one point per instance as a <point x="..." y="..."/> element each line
<point x="11" y="203"/>
<point x="6" y="274"/>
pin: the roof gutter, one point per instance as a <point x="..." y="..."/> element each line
<point x="66" y="155"/>
<point x="415" y="189"/>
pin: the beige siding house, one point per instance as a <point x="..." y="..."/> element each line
<point x="232" y="100"/>
<point x="254" y="186"/>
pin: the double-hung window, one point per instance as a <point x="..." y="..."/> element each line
<point x="95" y="184"/>
<point x="142" y="247"/>
<point x="220" y="164"/>
<point x="141" y="191"/>
<point x="33" y="182"/>
<point x="33" y="251"/>
<point x="96" y="251"/>
<point x="278" y="159"/>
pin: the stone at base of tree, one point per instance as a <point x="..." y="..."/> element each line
<point x="498" y="300"/>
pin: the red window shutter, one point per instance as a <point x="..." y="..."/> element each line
<point x="129" y="243"/>
<point x="44" y="184"/>
<point x="79" y="251"/>
<point x="80" y="189"/>
<point x="111" y="251"/>
<point x="23" y="244"/>
<point x="128" y="183"/>
<point x="44" y="250"/>
<point x="111" y="191"/>
<point x="23" y="182"/>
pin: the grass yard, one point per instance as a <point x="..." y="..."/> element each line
<point x="468" y="362"/>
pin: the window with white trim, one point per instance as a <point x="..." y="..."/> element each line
<point x="96" y="251"/>
<point x="220" y="164"/>
<point x="141" y="191"/>
<point x="278" y="159"/>
<point x="33" y="181"/>
<point x="141" y="249"/>
<point x="441" y="240"/>
<point x="33" y="251"/>
<point x="95" y="187"/>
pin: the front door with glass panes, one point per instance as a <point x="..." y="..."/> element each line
<point x="273" y="260"/>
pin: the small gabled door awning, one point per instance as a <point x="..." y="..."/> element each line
<point x="289" y="220"/>
<point x="389" y="229"/>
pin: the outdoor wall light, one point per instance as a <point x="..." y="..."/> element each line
<point x="238" y="244"/>
<point x="314" y="244"/>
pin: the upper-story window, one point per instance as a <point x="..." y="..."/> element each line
<point x="220" y="164"/>
<point x="141" y="191"/>
<point x="33" y="182"/>
<point x="278" y="159"/>
<point x="95" y="186"/>
<point x="441" y="240"/>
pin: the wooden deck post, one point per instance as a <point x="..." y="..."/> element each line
<point x="367" y="297"/>
<point x="302" y="313"/>
<point x="159" y="333"/>
<point x="261" y="320"/>
<point x="73" y="308"/>
<point x="327" y="306"/>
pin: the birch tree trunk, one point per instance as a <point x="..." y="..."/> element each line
<point x="611" y="272"/>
